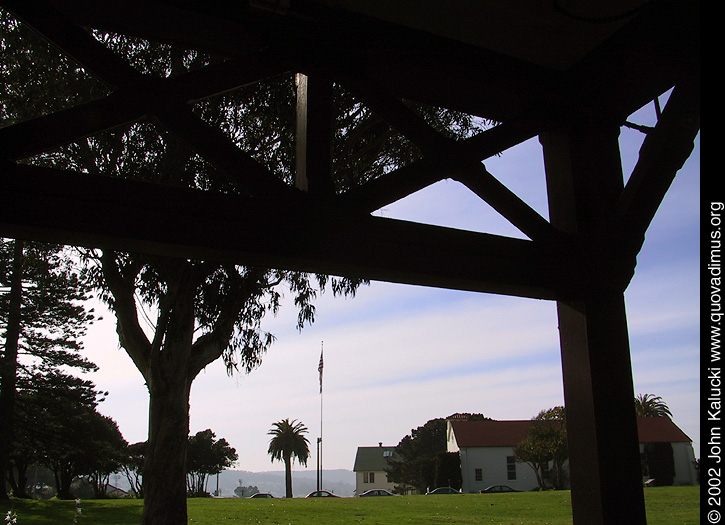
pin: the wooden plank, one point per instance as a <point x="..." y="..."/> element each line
<point x="286" y="232"/>
<point x="314" y="132"/>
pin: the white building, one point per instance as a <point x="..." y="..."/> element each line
<point x="487" y="447"/>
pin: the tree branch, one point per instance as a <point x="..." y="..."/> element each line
<point x="210" y="346"/>
<point x="131" y="336"/>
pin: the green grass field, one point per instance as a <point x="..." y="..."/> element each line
<point x="665" y="506"/>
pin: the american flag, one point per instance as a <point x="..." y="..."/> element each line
<point x="319" y="369"/>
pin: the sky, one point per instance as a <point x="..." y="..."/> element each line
<point x="396" y="356"/>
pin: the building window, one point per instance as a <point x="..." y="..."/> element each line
<point x="387" y="453"/>
<point x="368" y="477"/>
<point x="511" y="467"/>
<point x="479" y="474"/>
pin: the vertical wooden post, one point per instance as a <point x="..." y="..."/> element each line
<point x="313" y="170"/>
<point x="584" y="180"/>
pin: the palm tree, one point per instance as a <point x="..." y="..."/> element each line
<point x="289" y="443"/>
<point x="649" y="405"/>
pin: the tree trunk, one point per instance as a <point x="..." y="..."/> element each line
<point x="63" y="474"/>
<point x="164" y="474"/>
<point x="9" y="366"/>
<point x="288" y="476"/>
<point x="18" y="484"/>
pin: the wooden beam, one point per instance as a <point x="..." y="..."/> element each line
<point x="136" y="101"/>
<point x="49" y="132"/>
<point x="508" y="204"/>
<point x="211" y="143"/>
<point x="402" y="118"/>
<point x="636" y="64"/>
<point x="447" y="163"/>
<point x="285" y="232"/>
<point x="584" y="180"/>
<point x="663" y="153"/>
<point x="168" y="106"/>
<point x="314" y="132"/>
<point x="74" y="42"/>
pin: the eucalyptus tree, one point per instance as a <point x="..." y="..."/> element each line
<point x="204" y="311"/>
<point x="287" y="444"/>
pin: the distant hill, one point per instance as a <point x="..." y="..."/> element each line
<point x="340" y="482"/>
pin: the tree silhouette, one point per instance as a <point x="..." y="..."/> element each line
<point x="207" y="456"/>
<point x="417" y="456"/>
<point x="288" y="442"/>
<point x="545" y="443"/>
<point x="59" y="427"/>
<point x="650" y="405"/>
<point x="42" y="321"/>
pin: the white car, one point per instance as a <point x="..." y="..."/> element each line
<point x="376" y="492"/>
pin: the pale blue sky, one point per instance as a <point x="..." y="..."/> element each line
<point x="397" y="356"/>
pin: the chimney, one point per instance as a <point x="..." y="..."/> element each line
<point x="380" y="444"/>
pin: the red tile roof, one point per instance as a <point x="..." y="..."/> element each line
<point x="489" y="433"/>
<point x="510" y="433"/>
<point x="654" y="429"/>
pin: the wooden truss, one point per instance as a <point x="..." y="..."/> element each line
<point x="572" y="79"/>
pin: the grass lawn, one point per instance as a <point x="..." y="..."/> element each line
<point x="665" y="506"/>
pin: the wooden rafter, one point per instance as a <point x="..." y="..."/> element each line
<point x="310" y="236"/>
<point x="583" y="256"/>
<point x="664" y="151"/>
<point x="449" y="160"/>
<point x="527" y="99"/>
<point x="508" y="204"/>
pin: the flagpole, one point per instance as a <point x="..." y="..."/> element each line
<point x="319" y="439"/>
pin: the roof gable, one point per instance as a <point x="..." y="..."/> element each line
<point x="489" y="433"/>
<point x="373" y="458"/>
<point x="657" y="429"/>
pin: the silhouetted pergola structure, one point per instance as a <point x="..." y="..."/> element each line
<point x="569" y="72"/>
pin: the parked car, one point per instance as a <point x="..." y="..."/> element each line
<point x="321" y="494"/>
<point x="261" y="495"/>
<point x="443" y="490"/>
<point x="498" y="488"/>
<point x="376" y="492"/>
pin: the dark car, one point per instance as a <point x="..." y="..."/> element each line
<point x="376" y="492"/>
<point x="493" y="489"/>
<point x="321" y="494"/>
<point x="261" y="495"/>
<point x="443" y="490"/>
